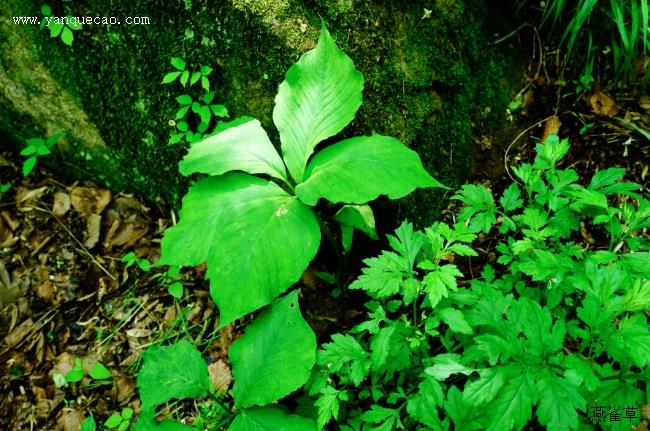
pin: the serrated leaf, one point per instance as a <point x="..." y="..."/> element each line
<point x="380" y="347"/>
<point x="358" y="170"/>
<point x="480" y="209"/>
<point x="421" y="405"/>
<point x="559" y="402"/>
<point x="170" y="77"/>
<point x="510" y="200"/>
<point x="178" y="63"/>
<point x="513" y="406"/>
<point x="383" y="276"/>
<point x="270" y="419"/>
<point x="319" y="97"/>
<point x="256" y="239"/>
<point x="245" y="147"/>
<point x="589" y="197"/>
<point x="446" y="365"/>
<point x="99" y="372"/>
<point x="455" y="319"/>
<point x="485" y="389"/>
<point x="328" y="405"/>
<point x="606" y="177"/>
<point x="345" y="350"/>
<point x="275" y="355"/>
<point x="178" y="368"/>
<point x="439" y="281"/>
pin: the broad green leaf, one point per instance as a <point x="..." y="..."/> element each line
<point x="487" y="387"/>
<point x="195" y="78"/>
<point x="206" y="70"/>
<point x="147" y="422"/>
<point x="113" y="421"/>
<point x="455" y="319"/>
<point x="170" y="77"/>
<point x="318" y="98"/>
<point x="99" y="371"/>
<point x="358" y="170"/>
<point x="242" y="148"/>
<point x="358" y="217"/>
<point x="178" y="63"/>
<point x="256" y="239"/>
<point x="270" y="419"/>
<point x="29" y="165"/>
<point x="184" y="99"/>
<point x="446" y="365"/>
<point x="55" y="28"/>
<point x="178" y="368"/>
<point x="88" y="424"/>
<point x="275" y="355"/>
<point x="66" y="36"/>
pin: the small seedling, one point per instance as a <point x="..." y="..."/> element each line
<point x="120" y="421"/>
<point x="132" y="259"/>
<point x="36" y="147"/>
<point x="183" y="75"/>
<point x="97" y="372"/>
<point x="60" y="26"/>
<point x="204" y="108"/>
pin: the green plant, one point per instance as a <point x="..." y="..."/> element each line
<point x="88" y="424"/>
<point x="258" y="235"/>
<point x="97" y="372"/>
<point x="204" y="109"/>
<point x="120" y="421"/>
<point x="184" y="76"/>
<point x="171" y="278"/>
<point x="59" y="26"/>
<point x="132" y="259"/>
<point x="35" y="148"/>
<point x="627" y="24"/>
<point x="558" y="329"/>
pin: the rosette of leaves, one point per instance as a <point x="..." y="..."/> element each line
<point x="252" y="220"/>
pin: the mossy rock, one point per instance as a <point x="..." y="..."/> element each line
<point x="428" y="74"/>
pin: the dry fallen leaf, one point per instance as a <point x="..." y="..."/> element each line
<point x="19" y="333"/>
<point x="602" y="104"/>
<point x="27" y="198"/>
<point x="551" y="127"/>
<point x="93" y="225"/>
<point x="61" y="204"/>
<point x="220" y="375"/>
<point x="90" y="200"/>
<point x="69" y="420"/>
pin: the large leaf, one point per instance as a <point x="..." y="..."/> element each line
<point x="147" y="422"/>
<point x="275" y="355"/>
<point x="358" y="170"/>
<point x="256" y="239"/>
<point x="242" y="148"/>
<point x="270" y="419"/>
<point x="358" y="217"/>
<point x="318" y="98"/>
<point x="178" y="368"/>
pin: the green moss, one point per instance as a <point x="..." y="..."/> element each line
<point x="427" y="77"/>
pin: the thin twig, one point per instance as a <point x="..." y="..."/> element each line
<point x="505" y="158"/>
<point x="83" y="248"/>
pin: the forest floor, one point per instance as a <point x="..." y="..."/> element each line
<point x="71" y="295"/>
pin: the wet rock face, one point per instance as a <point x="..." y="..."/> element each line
<point x="424" y="65"/>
